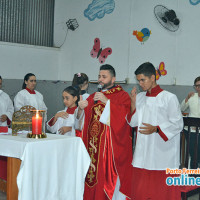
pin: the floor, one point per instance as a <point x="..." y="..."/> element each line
<point x="3" y="197"/>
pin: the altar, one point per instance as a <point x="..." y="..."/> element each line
<point x="53" y="168"/>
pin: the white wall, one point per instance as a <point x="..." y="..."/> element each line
<point x="18" y="60"/>
<point x="179" y="50"/>
<point x="113" y="31"/>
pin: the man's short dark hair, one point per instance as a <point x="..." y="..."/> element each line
<point x="146" y="69"/>
<point x="0" y="78"/>
<point x="109" y="68"/>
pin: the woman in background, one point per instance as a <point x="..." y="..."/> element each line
<point x="192" y="101"/>
<point x="81" y="81"/>
<point x="28" y="95"/>
<point x="63" y="121"/>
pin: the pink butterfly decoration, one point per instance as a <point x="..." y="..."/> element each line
<point x="100" y="53"/>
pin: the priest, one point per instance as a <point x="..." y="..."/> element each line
<point x="107" y="138"/>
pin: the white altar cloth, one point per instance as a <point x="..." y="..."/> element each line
<point x="53" y="168"/>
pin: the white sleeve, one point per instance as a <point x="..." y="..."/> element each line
<point x="184" y="105"/>
<point x="18" y="101"/>
<point x="10" y="109"/>
<point x="133" y="122"/>
<point x="78" y="124"/>
<point x="52" y="129"/>
<point x="69" y="121"/>
<point x="173" y="122"/>
<point x="42" y="105"/>
<point x="105" y="116"/>
<point x="60" y="123"/>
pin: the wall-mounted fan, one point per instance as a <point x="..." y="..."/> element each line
<point x="167" y="18"/>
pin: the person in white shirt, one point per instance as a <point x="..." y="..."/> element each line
<point x="156" y="114"/>
<point x="81" y="80"/>
<point x="28" y="95"/>
<point x="6" y="107"/>
<point x="192" y="102"/>
<point x="63" y="121"/>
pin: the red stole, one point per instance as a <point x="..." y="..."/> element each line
<point x="110" y="148"/>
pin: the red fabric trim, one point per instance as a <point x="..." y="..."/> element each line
<point x="162" y="135"/>
<point x="30" y="91"/>
<point x="129" y="116"/>
<point x="109" y="167"/>
<point x="3" y="168"/>
<point x="8" y="121"/>
<point x="3" y="129"/>
<point x="151" y="184"/>
<point x="78" y="133"/>
<point x="154" y="91"/>
<point x="71" y="110"/>
<point x="51" y="122"/>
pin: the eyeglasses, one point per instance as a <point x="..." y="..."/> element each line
<point x="196" y="86"/>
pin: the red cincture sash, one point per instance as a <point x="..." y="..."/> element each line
<point x="95" y="131"/>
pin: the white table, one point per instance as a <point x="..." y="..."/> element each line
<point x="53" y="168"/>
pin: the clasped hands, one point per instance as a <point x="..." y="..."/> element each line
<point x="3" y="118"/>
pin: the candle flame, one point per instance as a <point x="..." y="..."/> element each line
<point x="37" y="114"/>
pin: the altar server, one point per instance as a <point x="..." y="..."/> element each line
<point x="63" y="122"/>
<point x="156" y="114"/>
<point x="81" y="80"/>
<point x="28" y="95"/>
<point x="6" y="108"/>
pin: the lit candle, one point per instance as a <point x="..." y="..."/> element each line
<point x="37" y="124"/>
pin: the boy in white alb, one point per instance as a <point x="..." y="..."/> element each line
<point x="157" y="116"/>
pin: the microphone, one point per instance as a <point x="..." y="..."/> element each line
<point x="99" y="88"/>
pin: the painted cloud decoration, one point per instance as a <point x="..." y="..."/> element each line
<point x="98" y="8"/>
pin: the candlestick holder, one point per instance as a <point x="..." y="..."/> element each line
<point x="38" y="125"/>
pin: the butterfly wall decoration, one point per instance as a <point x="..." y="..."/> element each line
<point x="161" y="71"/>
<point x="98" y="52"/>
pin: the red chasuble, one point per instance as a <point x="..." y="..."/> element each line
<point x="110" y="147"/>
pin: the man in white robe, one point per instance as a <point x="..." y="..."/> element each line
<point x="156" y="114"/>
<point x="6" y="107"/>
